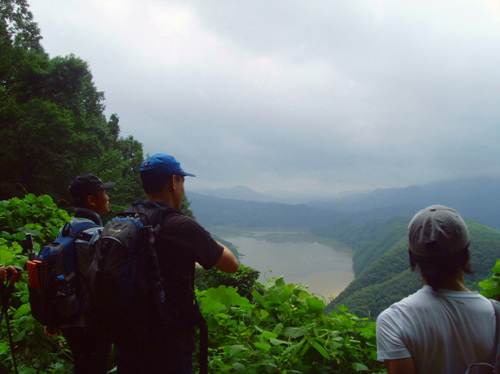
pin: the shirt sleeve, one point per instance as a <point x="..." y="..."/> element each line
<point x="190" y="235"/>
<point x="390" y="345"/>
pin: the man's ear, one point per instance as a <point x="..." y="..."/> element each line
<point x="171" y="183"/>
<point x="90" y="201"/>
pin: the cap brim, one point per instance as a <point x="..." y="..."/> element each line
<point x="108" y="186"/>
<point x="188" y="174"/>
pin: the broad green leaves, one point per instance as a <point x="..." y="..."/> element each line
<point x="284" y="330"/>
<point x="491" y="286"/>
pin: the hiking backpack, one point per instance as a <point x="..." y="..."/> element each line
<point x="129" y="299"/>
<point x="54" y="296"/>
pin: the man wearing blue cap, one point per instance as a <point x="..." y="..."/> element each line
<point x="444" y="327"/>
<point x="181" y="244"/>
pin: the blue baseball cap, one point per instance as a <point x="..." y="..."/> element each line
<point x="162" y="165"/>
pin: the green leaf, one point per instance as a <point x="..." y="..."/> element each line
<point x="238" y="366"/>
<point x="22" y="310"/>
<point x="19" y="336"/>
<point x="315" y="304"/>
<point x="359" y="367"/>
<point x="322" y="351"/>
<point x="4" y="348"/>
<point x="278" y="342"/>
<point x="237" y="348"/>
<point x="280" y="282"/>
<point x="261" y="313"/>
<point x="294" y="332"/>
<point x="264" y="346"/>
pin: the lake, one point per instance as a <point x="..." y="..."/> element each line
<point x="323" y="264"/>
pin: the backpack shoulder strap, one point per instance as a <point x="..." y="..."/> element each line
<point x="154" y="211"/>
<point x="72" y="230"/>
<point x="69" y="233"/>
<point x="495" y="355"/>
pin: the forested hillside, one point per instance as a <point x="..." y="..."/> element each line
<point x="53" y="125"/>
<point x="381" y="262"/>
<point x="477" y="198"/>
<point x="213" y="211"/>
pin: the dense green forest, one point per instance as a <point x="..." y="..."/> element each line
<point x="53" y="125"/>
<point x="381" y="264"/>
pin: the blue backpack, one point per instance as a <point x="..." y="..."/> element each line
<point x="54" y="296"/>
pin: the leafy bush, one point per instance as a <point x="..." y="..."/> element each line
<point x="34" y="352"/>
<point x="491" y="286"/>
<point x="284" y="331"/>
<point x="244" y="280"/>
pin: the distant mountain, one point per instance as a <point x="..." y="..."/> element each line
<point x="476" y="198"/>
<point x="239" y="193"/>
<point x="214" y="211"/>
<point x="247" y="194"/>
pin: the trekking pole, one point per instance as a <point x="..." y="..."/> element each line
<point x="6" y="291"/>
<point x="29" y="246"/>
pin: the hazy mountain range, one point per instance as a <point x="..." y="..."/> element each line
<point x="476" y="198"/>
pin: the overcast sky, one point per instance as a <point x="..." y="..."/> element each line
<point x="319" y="95"/>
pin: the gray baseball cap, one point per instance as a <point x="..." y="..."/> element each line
<point x="437" y="231"/>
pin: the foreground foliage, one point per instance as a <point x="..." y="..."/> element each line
<point x="284" y="331"/>
<point x="491" y="286"/>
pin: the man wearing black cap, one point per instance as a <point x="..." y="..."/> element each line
<point x="90" y="354"/>
<point x="181" y="244"/>
<point x="444" y="327"/>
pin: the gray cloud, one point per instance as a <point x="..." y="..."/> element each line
<point x="296" y="95"/>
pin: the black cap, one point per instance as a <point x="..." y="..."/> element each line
<point x="86" y="184"/>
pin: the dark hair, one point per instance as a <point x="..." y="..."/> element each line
<point x="81" y="201"/>
<point x="154" y="184"/>
<point x="436" y="270"/>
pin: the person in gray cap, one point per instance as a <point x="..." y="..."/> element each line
<point x="444" y="327"/>
<point x="90" y="353"/>
<point x="181" y="243"/>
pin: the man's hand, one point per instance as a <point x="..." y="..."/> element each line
<point x="16" y="274"/>
<point x="3" y="274"/>
<point x="227" y="261"/>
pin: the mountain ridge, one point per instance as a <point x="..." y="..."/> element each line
<point x="477" y="198"/>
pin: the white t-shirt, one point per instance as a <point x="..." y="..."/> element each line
<point x="444" y="331"/>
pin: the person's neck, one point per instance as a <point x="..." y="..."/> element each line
<point x="453" y="283"/>
<point x="160" y="199"/>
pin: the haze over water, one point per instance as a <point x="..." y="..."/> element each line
<point x="323" y="264"/>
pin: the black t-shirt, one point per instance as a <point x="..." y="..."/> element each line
<point x="182" y="243"/>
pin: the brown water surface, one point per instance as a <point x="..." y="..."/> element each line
<point x="323" y="264"/>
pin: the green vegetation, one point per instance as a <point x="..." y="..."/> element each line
<point x="491" y="286"/>
<point x="284" y="331"/>
<point x="33" y="350"/>
<point x="52" y="119"/>
<point x="277" y="328"/>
